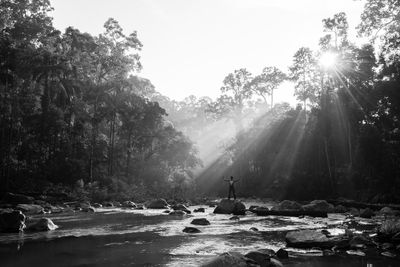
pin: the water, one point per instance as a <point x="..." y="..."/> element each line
<point x="119" y="237"/>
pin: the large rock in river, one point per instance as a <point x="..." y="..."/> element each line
<point x="30" y="208"/>
<point x="43" y="224"/>
<point x="287" y="205"/>
<point x="227" y="206"/>
<point x="15" y="199"/>
<point x="314" y="238"/>
<point x="12" y="221"/>
<point x="319" y="206"/>
<point x="230" y="259"/>
<point x="157" y="204"/>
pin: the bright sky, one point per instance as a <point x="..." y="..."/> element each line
<point x="191" y="45"/>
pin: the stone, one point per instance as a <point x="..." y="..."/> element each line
<point x="157" y="204"/>
<point x="360" y="241"/>
<point x="354" y="212"/>
<point x="15" y="199"/>
<point x="199" y="210"/>
<point x="177" y="213"/>
<point x="366" y="213"/>
<point x="227" y="206"/>
<point x="43" y="224"/>
<point x="97" y="205"/>
<point x="386" y="246"/>
<point x="181" y="207"/>
<point x="30" y="208"/>
<point x="191" y="230"/>
<point x="388" y="254"/>
<point x="319" y="205"/>
<point x="356" y="253"/>
<point x="328" y="252"/>
<point x="88" y="209"/>
<point x="275" y="263"/>
<point x="230" y="259"/>
<point x="200" y="221"/>
<point x="166" y="211"/>
<point x="139" y="207"/>
<point x="282" y="254"/>
<point x="313" y="238"/>
<point x="234" y="218"/>
<point x="128" y="204"/>
<point x="287" y="205"/>
<point x="254" y="229"/>
<point x="253" y="207"/>
<point x="108" y="204"/>
<point x="12" y="221"/>
<point x="388" y="211"/>
<point x="340" y="209"/>
<point x="262" y="259"/>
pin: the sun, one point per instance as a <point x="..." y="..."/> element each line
<point x="328" y="59"/>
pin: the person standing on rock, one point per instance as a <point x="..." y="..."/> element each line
<point x="231" y="187"/>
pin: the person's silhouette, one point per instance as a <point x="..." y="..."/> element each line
<point x="231" y="187"/>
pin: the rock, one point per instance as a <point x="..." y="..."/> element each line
<point x="387" y="211"/>
<point x="227" y="206"/>
<point x="254" y="229"/>
<point x="260" y="211"/>
<point x="233" y="218"/>
<point x="275" y="263"/>
<point x="12" y="221"/>
<point x="88" y="209"/>
<point x="181" y="207"/>
<point x="30" y="208"/>
<point x="354" y="212"/>
<point x="128" y="204"/>
<point x="166" y="211"/>
<point x="200" y="221"/>
<point x="108" y="204"/>
<point x="366" y="213"/>
<point x="313" y="238"/>
<point x="282" y="254"/>
<point x="328" y="252"/>
<point x="356" y="253"/>
<point x="230" y="259"/>
<point x="387" y="246"/>
<point x="139" y="207"/>
<point x="388" y="254"/>
<point x="97" y="205"/>
<point x="262" y="259"/>
<point x="360" y="241"/>
<point x="191" y="230"/>
<point x="287" y="205"/>
<point x="117" y="204"/>
<point x="178" y="213"/>
<point x="44" y="224"/>
<point x="319" y="205"/>
<point x="157" y="204"/>
<point x="15" y="199"/>
<point x="340" y="209"/>
<point x="253" y="207"/>
<point x="199" y="210"/>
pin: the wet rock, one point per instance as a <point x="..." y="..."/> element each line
<point x="260" y="211"/>
<point x="199" y="210"/>
<point x="200" y="221"/>
<point x="319" y="206"/>
<point x="253" y="207"/>
<point x="181" y="207"/>
<point x="356" y="253"/>
<point x="44" y="224"/>
<point x="360" y="241"/>
<point x="117" y="204"/>
<point x="354" y="212"/>
<point x="282" y="254"/>
<point x="227" y="206"/>
<point x="157" y="204"/>
<point x="287" y="205"/>
<point x="166" y="211"/>
<point x="275" y="263"/>
<point x="260" y="257"/>
<point x="366" y="213"/>
<point x="30" y="208"/>
<point x="328" y="252"/>
<point x="139" y="207"/>
<point x="177" y="213"/>
<point x="56" y="209"/>
<point x="128" y="204"/>
<point x="254" y="229"/>
<point x="234" y="218"/>
<point x="88" y="209"/>
<point x="191" y="230"/>
<point x="388" y="254"/>
<point x="17" y="199"/>
<point x="230" y="259"/>
<point x="97" y="205"/>
<point x="388" y="211"/>
<point x="12" y="221"/>
<point x="313" y="238"/>
<point x="387" y="246"/>
<point x="340" y="209"/>
<point x="108" y="204"/>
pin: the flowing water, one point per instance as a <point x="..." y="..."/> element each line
<point x="123" y="237"/>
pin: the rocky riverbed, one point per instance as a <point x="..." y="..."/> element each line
<point x="136" y="236"/>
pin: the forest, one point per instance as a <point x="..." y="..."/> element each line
<point x="77" y="119"/>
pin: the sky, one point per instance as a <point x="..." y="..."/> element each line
<point x="190" y="46"/>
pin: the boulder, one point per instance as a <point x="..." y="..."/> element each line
<point x="199" y="210"/>
<point x="128" y="204"/>
<point x="227" y="206"/>
<point x="191" y="230"/>
<point x="157" y="204"/>
<point x="360" y="241"/>
<point x="354" y="211"/>
<point x="15" y="199"/>
<point x="282" y="254"/>
<point x="356" y="253"/>
<point x="200" y="221"/>
<point x="313" y="238"/>
<point x="261" y="258"/>
<point x="254" y="229"/>
<point x="181" y="207"/>
<point x="108" y="204"/>
<point x="230" y="259"/>
<point x="234" y="218"/>
<point x="43" y="224"/>
<point x="319" y="206"/>
<point x="12" y="221"/>
<point x="177" y="213"/>
<point x="340" y="209"/>
<point x="88" y="209"/>
<point x="388" y="254"/>
<point x="287" y="205"/>
<point x="366" y="213"/>
<point x="97" y="205"/>
<point x="30" y="208"/>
